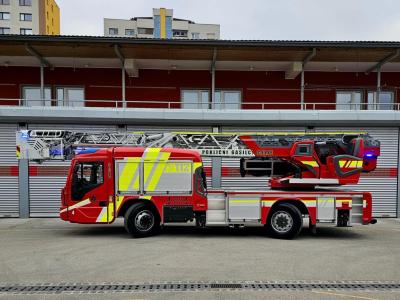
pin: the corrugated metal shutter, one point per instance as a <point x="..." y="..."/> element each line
<point x="9" y="194"/>
<point x="207" y="163"/>
<point x="47" y="179"/>
<point x="383" y="181"/>
<point x="231" y="178"/>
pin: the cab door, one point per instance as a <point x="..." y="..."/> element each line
<point x="90" y="192"/>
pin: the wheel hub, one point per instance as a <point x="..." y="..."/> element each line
<point x="282" y="221"/>
<point x="144" y="220"/>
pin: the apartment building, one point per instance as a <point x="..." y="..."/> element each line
<point x="161" y="25"/>
<point x="29" y="17"/>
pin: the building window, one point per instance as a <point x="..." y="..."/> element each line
<point x="26" y="31"/>
<point x="25" y="2"/>
<point x="25" y="17"/>
<point x="70" y="96"/>
<point x="4" y="30"/>
<point x="227" y="100"/>
<point x="179" y="33"/>
<point x="348" y="100"/>
<point x="4" y="2"/>
<point x="130" y="32"/>
<point x="145" y="30"/>
<point x="4" y="16"/>
<point x="211" y="36"/>
<point x="31" y="96"/>
<point x="113" y="31"/>
<point x="195" y="35"/>
<point x="195" y="99"/>
<point x="385" y="102"/>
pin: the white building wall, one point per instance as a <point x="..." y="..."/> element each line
<point x="206" y="31"/>
<point x="14" y="23"/>
<point x="200" y="31"/>
<point x="121" y="25"/>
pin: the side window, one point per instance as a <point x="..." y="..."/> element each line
<point x="201" y="181"/>
<point x="86" y="177"/>
<point x="303" y="149"/>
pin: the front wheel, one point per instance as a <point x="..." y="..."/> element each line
<point x="141" y="220"/>
<point x="284" y="221"/>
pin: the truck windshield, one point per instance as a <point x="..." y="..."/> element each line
<point x="86" y="177"/>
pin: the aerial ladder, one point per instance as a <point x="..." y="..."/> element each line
<point x="290" y="159"/>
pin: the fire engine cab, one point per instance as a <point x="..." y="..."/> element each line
<point x="160" y="179"/>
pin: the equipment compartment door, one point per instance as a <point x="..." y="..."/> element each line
<point x="242" y="208"/>
<point x="326" y="209"/>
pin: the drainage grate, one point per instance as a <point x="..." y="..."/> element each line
<point x="105" y="288"/>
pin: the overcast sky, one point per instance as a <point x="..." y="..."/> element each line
<point x="251" y="19"/>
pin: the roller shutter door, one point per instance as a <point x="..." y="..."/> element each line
<point x="382" y="182"/>
<point x="230" y="174"/>
<point x="9" y="193"/>
<point x="47" y="179"/>
<point x="207" y="163"/>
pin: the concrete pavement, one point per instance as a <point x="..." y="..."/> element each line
<point x="52" y="251"/>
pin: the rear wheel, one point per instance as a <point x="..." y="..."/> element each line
<point x="141" y="220"/>
<point x="284" y="221"/>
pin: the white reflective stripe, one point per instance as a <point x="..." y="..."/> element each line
<point x="79" y="204"/>
<point x="103" y="211"/>
<point x="364" y="203"/>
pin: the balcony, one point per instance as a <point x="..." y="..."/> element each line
<point x="169" y="105"/>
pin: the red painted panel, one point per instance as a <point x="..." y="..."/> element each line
<point x="164" y="85"/>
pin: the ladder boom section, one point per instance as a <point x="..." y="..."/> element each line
<point x="328" y="158"/>
<point x="62" y="144"/>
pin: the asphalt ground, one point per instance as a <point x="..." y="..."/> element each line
<point x="38" y="251"/>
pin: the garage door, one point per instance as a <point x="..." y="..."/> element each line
<point x="9" y="194"/>
<point x="382" y="182"/>
<point x="47" y="179"/>
<point x="230" y="174"/>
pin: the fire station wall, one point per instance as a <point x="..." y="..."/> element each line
<point x="9" y="196"/>
<point x="166" y="85"/>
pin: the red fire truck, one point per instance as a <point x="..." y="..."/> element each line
<point x="164" y="181"/>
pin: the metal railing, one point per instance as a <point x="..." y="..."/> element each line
<point x="167" y="104"/>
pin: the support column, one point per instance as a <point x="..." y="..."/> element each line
<point x="123" y="86"/>
<point x="216" y="166"/>
<point x="42" y="95"/>
<point x="212" y="86"/>
<point x="378" y="87"/>
<point x="214" y="59"/>
<point x="23" y="183"/>
<point x="302" y="90"/>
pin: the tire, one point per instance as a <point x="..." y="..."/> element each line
<point x="284" y="221"/>
<point x="141" y="220"/>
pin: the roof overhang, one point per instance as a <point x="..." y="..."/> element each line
<point x="99" y="52"/>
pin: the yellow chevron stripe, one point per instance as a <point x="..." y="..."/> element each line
<point x="310" y="163"/>
<point x="159" y="169"/>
